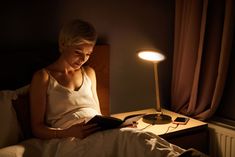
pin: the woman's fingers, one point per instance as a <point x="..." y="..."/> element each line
<point x="87" y="126"/>
<point x="84" y="130"/>
<point x="91" y="130"/>
<point x="87" y="129"/>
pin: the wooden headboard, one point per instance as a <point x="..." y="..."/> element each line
<point x="99" y="60"/>
<point x="18" y="64"/>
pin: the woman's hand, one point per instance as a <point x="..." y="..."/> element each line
<point x="82" y="130"/>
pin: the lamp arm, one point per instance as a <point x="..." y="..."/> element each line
<point x="157" y="97"/>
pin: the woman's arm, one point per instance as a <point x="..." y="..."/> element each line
<point x="38" y="91"/>
<point x="38" y="99"/>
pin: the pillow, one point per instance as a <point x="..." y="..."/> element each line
<point x="10" y="132"/>
<point x="22" y="109"/>
<point x="23" y="90"/>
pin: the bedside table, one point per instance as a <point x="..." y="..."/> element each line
<point x="192" y="135"/>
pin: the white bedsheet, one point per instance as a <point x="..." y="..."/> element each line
<point x="125" y="142"/>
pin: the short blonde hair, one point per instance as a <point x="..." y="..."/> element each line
<point x="77" y="32"/>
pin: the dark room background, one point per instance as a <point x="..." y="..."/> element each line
<point x="126" y="25"/>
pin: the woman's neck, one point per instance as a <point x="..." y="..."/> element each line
<point x="62" y="66"/>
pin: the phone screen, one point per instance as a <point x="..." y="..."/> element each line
<point x="181" y="120"/>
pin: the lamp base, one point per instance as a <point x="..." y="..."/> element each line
<point x="156" y="119"/>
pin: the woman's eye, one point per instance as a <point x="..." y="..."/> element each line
<point x="81" y="53"/>
<point x="78" y="51"/>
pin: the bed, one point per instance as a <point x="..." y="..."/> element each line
<point x="17" y="67"/>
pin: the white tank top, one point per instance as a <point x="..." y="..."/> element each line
<point x="66" y="107"/>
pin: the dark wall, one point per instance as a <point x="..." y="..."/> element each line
<point x="28" y="33"/>
<point x="126" y="25"/>
<point x="28" y="23"/>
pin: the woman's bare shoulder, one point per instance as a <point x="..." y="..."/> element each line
<point x="41" y="74"/>
<point x="89" y="70"/>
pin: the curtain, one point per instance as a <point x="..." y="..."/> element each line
<point x="202" y="45"/>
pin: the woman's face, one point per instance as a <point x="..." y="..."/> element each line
<point x="76" y="56"/>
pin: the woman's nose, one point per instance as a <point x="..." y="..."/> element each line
<point x="82" y="57"/>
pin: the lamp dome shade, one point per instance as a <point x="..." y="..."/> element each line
<point x="152" y="56"/>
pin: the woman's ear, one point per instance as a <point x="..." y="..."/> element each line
<point x="61" y="46"/>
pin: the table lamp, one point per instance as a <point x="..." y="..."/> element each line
<point x="159" y="118"/>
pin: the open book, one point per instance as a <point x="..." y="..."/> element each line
<point x="107" y="122"/>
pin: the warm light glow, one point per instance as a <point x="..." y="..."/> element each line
<point x="159" y="117"/>
<point x="151" y="56"/>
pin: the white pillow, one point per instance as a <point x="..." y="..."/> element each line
<point x="22" y="90"/>
<point x="10" y="132"/>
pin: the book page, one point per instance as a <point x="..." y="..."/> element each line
<point x="105" y="122"/>
<point x="130" y="120"/>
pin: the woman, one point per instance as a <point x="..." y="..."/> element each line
<point x="60" y="94"/>
<point x="63" y="95"/>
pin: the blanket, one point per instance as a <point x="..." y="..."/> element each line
<point x="124" y="142"/>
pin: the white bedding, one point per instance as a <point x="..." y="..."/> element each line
<point x="125" y="142"/>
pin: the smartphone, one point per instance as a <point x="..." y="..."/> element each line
<point x="181" y="120"/>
